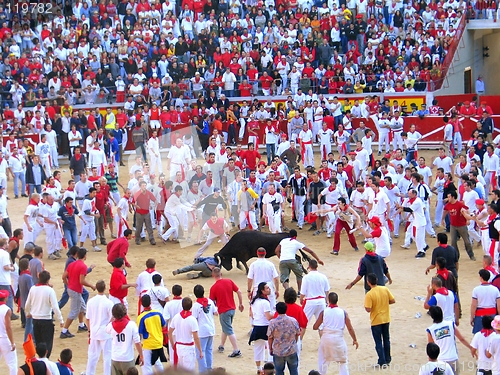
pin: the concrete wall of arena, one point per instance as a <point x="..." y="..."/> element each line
<point x="469" y="55"/>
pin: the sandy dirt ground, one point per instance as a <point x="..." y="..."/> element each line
<point x="407" y="273"/>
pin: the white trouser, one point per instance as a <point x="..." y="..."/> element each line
<point x="31" y="236"/>
<point x="155" y="164"/>
<point x="174" y="168"/>
<point x="186" y="357"/>
<point x="473" y="233"/>
<point x="250" y="220"/>
<point x="325" y="149"/>
<point x="438" y="217"/>
<point x="308" y="155"/>
<point x="340" y="346"/>
<point x="298" y="206"/>
<point x="259" y="350"/>
<point x="397" y="140"/>
<point x="243" y="125"/>
<point x="488" y="178"/>
<point x="210" y="239"/>
<point x="331" y="221"/>
<point x="147" y="368"/>
<point x="428" y="225"/>
<point x="120" y="225"/>
<point x="174" y="227"/>
<point x="274" y="222"/>
<point x="252" y="139"/>
<point x="54" y="156"/>
<point x="3" y="183"/>
<point x="314" y="308"/>
<point x="88" y="230"/>
<point x="419" y="235"/>
<point x="9" y="356"/>
<point x="485" y="240"/>
<point x="45" y="163"/>
<point x="52" y="238"/>
<point x="316" y="127"/>
<point x="94" y="352"/>
<point x="117" y="300"/>
<point x="408" y="235"/>
<point x="383" y="141"/>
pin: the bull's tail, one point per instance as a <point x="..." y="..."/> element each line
<point x="303" y="257"/>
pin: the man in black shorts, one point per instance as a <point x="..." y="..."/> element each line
<point x="316" y="186"/>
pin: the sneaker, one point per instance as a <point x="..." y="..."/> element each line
<point x="14" y="317"/>
<point x="96" y="249"/>
<point x="235" y="354"/>
<point x="356" y="249"/>
<point x="193" y="275"/>
<point x="426" y="247"/>
<point x="113" y="235"/>
<point x="52" y="257"/>
<point x="137" y="243"/>
<point x="420" y="254"/>
<point x="175" y="272"/>
<point x="57" y="254"/>
<point x="313" y="227"/>
<point x="473" y="258"/>
<point x="152" y="243"/>
<point x="328" y="235"/>
<point x="66" y="335"/>
<point x="405" y="246"/>
<point x="220" y="349"/>
<point x="83" y="329"/>
<point x="103" y="242"/>
<point x="317" y="233"/>
<point x="334" y="252"/>
<point x="300" y="227"/>
<point x="396" y="236"/>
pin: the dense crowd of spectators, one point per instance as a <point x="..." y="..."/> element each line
<point x="93" y="52"/>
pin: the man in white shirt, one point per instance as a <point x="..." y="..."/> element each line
<point x="98" y="316"/>
<point x="314" y="291"/>
<point x="263" y="271"/>
<point x="424" y="171"/>
<point x="97" y="159"/>
<point x="325" y="141"/>
<point x="178" y="158"/>
<point x="397" y="123"/>
<point x="491" y="166"/>
<point x="415" y="206"/>
<point x="443" y="161"/>
<point x="286" y="251"/>
<point x="41" y="304"/>
<point x="186" y="337"/>
<point x="125" y="335"/>
<point x="306" y="139"/>
<point x="42" y="149"/>
<point x="153" y="148"/>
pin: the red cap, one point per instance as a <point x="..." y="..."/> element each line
<point x="359" y="16"/>
<point x="352" y="153"/>
<point x="375" y="220"/>
<point x="467" y="103"/>
<point x="479" y="202"/>
<point x="262" y="162"/>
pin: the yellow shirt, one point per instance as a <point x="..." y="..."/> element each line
<point x="377" y="299"/>
<point x="150" y="325"/>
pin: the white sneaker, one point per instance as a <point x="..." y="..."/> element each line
<point x="405" y="246"/>
<point x="97" y="249"/>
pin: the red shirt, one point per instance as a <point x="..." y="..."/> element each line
<point x="456" y="217"/>
<point x="295" y="311"/>
<point x="115" y="284"/>
<point x="250" y="158"/>
<point x="266" y="82"/>
<point x="142" y="201"/>
<point x="245" y="90"/>
<point x="75" y="270"/>
<point x="118" y="249"/>
<point x="222" y="294"/>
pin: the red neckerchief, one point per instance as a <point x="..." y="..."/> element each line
<point x="486" y="332"/>
<point x="410" y="201"/>
<point x="148" y="270"/>
<point x="471" y="155"/>
<point x="442" y="291"/>
<point x="177" y="297"/>
<point x="120" y="324"/>
<point x="208" y="184"/>
<point x="33" y="202"/>
<point x="211" y="162"/>
<point x="70" y="189"/>
<point x="25" y="272"/>
<point x="330" y="188"/>
<point x="252" y="181"/>
<point x="401" y="158"/>
<point x="463" y="165"/>
<point x="203" y="302"/>
<point x="443" y="273"/>
<point x="184" y="314"/>
<point x="332" y="306"/>
<point x="422" y="166"/>
<point x="65" y="365"/>
<point x="492" y="270"/>
<point x="71" y="210"/>
<point x="78" y="157"/>
<point x="446" y="183"/>
<point x="222" y="152"/>
<point x="479" y="146"/>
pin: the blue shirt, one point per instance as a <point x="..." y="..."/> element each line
<point x="118" y="135"/>
<point x="69" y="220"/>
<point x="37" y="174"/>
